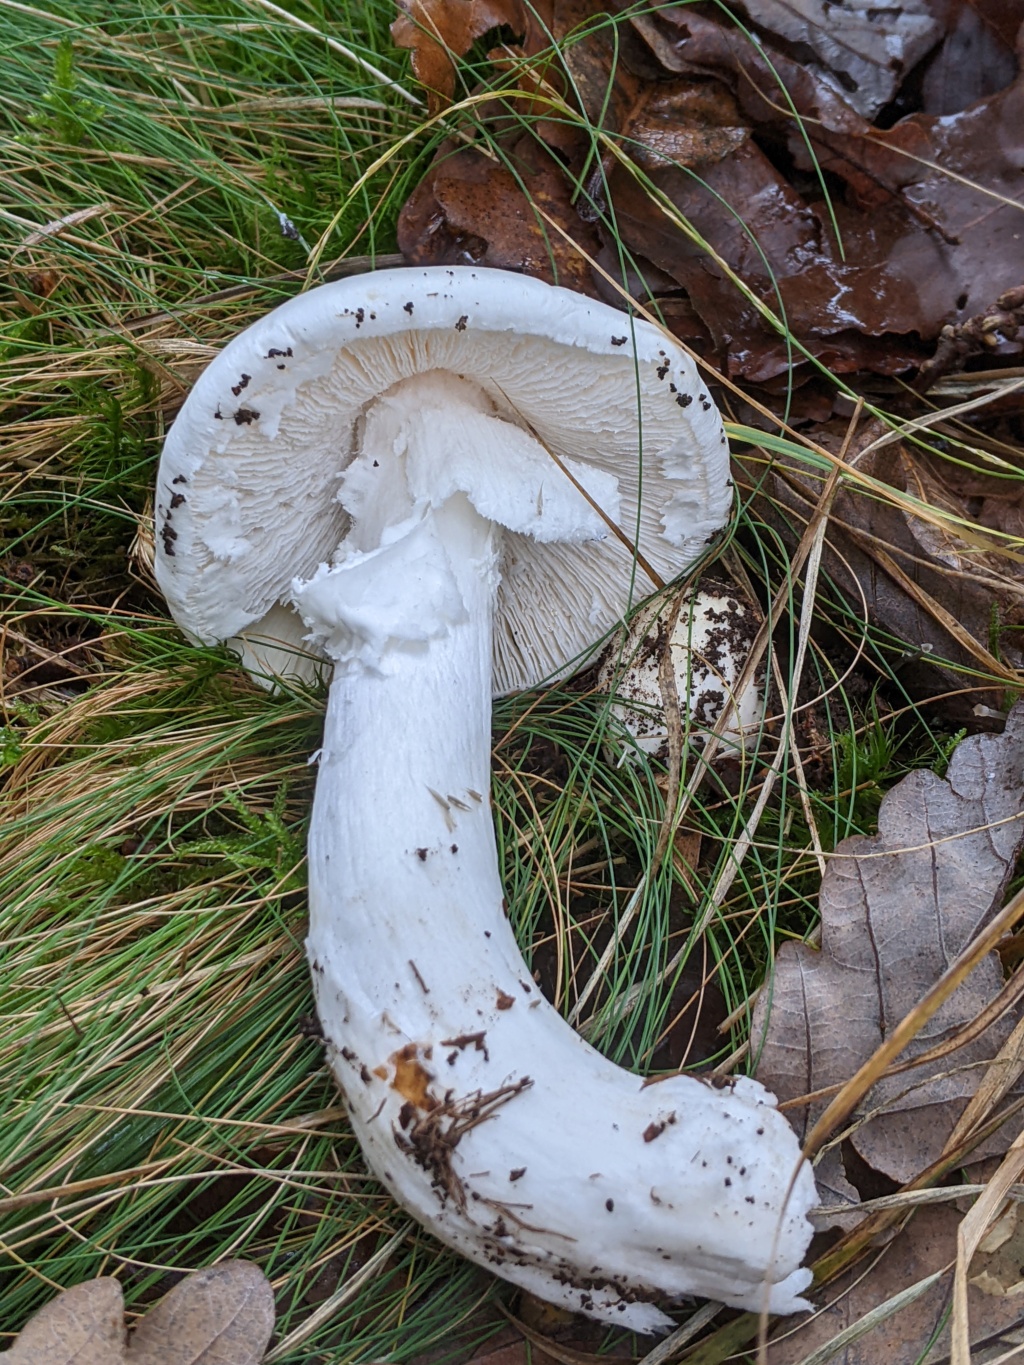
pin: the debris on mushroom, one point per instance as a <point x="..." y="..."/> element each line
<point x="460" y="480"/>
<point x="709" y="630"/>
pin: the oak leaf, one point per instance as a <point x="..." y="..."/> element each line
<point x="222" y="1315"/>
<point x="896" y="910"/>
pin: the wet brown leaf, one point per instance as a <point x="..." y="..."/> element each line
<point x="471" y="210"/>
<point x="742" y="139"/>
<point x="975" y="57"/>
<point x="926" y="1246"/>
<point x="223" y="1315"/>
<point x="866" y="47"/>
<point x="925" y="211"/>
<point x="438" y="30"/>
<point x="896" y="909"/>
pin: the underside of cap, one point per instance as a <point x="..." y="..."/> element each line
<point x="249" y="482"/>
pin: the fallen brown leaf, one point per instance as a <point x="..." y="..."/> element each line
<point x="438" y="30"/>
<point x="471" y="210"/>
<point x="926" y="1246"/>
<point x="975" y="57"/>
<point x="867" y="48"/>
<point x="83" y="1325"/>
<point x="223" y="1315"/>
<point x="996" y="1268"/>
<point x="926" y="214"/>
<point x="896" y="909"/>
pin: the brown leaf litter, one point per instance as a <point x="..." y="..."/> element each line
<point x="434" y="30"/>
<point x="715" y="154"/>
<point x="223" y="1315"/>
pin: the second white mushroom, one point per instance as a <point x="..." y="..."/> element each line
<point x="708" y="631"/>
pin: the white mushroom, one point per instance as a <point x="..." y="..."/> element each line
<point x="441" y="470"/>
<point x="709" y="631"/>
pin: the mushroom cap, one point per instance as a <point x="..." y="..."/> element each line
<point x="247" y="495"/>
<point x="712" y="629"/>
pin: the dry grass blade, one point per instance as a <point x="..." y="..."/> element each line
<point x="973" y="1228"/>
<point x="668" y="1348"/>
<point x="566" y="1355"/>
<point x="908" y="1199"/>
<point x="808" y="558"/>
<point x="1006" y="1068"/>
<point x="936" y="610"/>
<point x="1001" y="1072"/>
<point x="166" y="1102"/>
<point x="344" y="1294"/>
<point x="670" y="820"/>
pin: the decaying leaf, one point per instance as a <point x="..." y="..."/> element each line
<point x="997" y="1268"/>
<point x="471" y="210"/>
<point x="917" y="1334"/>
<point x="83" y="1325"/>
<point x="896" y="909"/>
<point x="975" y="57"/>
<point x="684" y="124"/>
<point x="865" y="48"/>
<point x="223" y="1315"/>
<point x="438" y="30"/>
<point x="926" y="213"/>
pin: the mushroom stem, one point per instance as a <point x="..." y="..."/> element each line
<point x="483" y="1113"/>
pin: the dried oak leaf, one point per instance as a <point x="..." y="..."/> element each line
<point x="83" y="1325"/>
<point x="438" y="30"/>
<point x="896" y="909"/>
<point x="223" y="1315"/>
